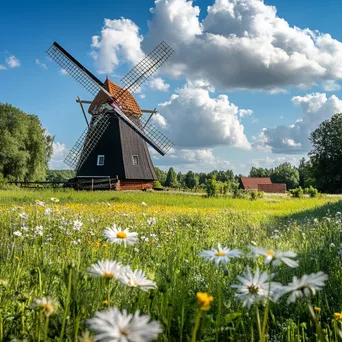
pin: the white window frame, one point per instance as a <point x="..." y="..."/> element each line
<point x="99" y="156"/>
<point x="137" y="158"/>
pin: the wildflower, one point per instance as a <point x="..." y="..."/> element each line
<point x="116" y="235"/>
<point x="107" y="269"/>
<point x="332" y="245"/>
<point x="23" y="216"/>
<point x="76" y="242"/>
<point x="144" y="204"/>
<point x="338" y="316"/>
<point x="85" y="337"/>
<point x="115" y="326"/>
<point x="56" y="200"/>
<point x="221" y="254"/>
<point x="46" y="304"/>
<point x="48" y="211"/>
<point x="275" y="257"/>
<point x="18" y="233"/>
<point x="24" y="228"/>
<point x="137" y="278"/>
<point x="317" y="309"/>
<point x="41" y="203"/>
<point x="38" y="231"/>
<point x="152" y="221"/>
<point x="306" y="286"/>
<point x="77" y="225"/>
<point x="204" y="300"/>
<point x="255" y="288"/>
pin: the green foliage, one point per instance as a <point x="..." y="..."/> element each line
<point x="157" y="185"/>
<point x="297" y="192"/>
<point x="306" y="177"/>
<point x="312" y="192"/>
<point x="161" y="175"/>
<point x="191" y="180"/>
<point x="254" y="194"/>
<point x="171" y="178"/>
<point x="286" y="173"/>
<point x="59" y="175"/>
<point x="25" y="148"/>
<point x="211" y="187"/>
<point x="326" y="155"/>
<point x="260" y="172"/>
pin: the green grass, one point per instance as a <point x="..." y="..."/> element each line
<point x="56" y="263"/>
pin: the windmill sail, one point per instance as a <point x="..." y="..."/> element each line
<point x="150" y="134"/>
<point x="87" y="141"/>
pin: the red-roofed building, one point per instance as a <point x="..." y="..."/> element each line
<point x="262" y="184"/>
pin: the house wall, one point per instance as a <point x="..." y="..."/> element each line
<point x="129" y="184"/>
<point x="272" y="188"/>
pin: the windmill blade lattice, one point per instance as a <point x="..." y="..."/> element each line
<point x="87" y="142"/>
<point x="74" y="68"/>
<point x="146" y="68"/>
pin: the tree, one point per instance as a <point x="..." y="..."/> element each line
<point x="286" y="173"/>
<point x="25" y="148"/>
<point x="161" y="175"/>
<point x="171" y="178"/>
<point x="59" y="175"/>
<point x="260" y="172"/>
<point x="326" y="155"/>
<point x="180" y="178"/>
<point x="191" y="180"/>
<point x="306" y="177"/>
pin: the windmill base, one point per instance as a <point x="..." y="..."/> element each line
<point x="109" y="184"/>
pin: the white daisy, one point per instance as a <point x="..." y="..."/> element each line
<point x="152" y="221"/>
<point x="41" y="203"/>
<point x="144" y="204"/>
<point x="137" y="278"/>
<point x="18" y="233"/>
<point x="275" y="257"/>
<point x="116" y="235"/>
<point x="48" y="211"/>
<point x="255" y="288"/>
<point x="108" y="269"/>
<point x="23" y="216"/>
<point x="113" y="326"/>
<point x="53" y="199"/>
<point x="306" y="286"/>
<point x="221" y="254"/>
<point x="46" y="304"/>
<point x="77" y="225"/>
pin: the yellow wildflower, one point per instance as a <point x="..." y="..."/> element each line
<point x="316" y="308"/>
<point x="204" y="300"/>
<point x="338" y="316"/>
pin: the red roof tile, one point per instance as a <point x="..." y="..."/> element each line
<point x="127" y="101"/>
<point x="249" y="183"/>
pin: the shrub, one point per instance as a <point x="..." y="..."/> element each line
<point x="157" y="185"/>
<point x="211" y="187"/>
<point x="313" y="192"/>
<point x="255" y="194"/>
<point x="298" y="192"/>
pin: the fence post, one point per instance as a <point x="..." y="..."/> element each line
<point x="92" y="184"/>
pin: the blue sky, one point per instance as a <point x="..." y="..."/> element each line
<point x="294" y="74"/>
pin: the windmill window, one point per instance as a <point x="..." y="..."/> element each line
<point x="100" y="160"/>
<point x="135" y="160"/>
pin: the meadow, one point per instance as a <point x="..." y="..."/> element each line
<point x="56" y="286"/>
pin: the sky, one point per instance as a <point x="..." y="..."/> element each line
<point x="247" y="82"/>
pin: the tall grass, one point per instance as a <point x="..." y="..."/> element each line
<point x="55" y="263"/>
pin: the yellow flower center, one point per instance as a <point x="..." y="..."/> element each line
<point x="121" y="235"/>
<point x="124" y="332"/>
<point x="204" y="300"/>
<point x="218" y="254"/>
<point x="47" y="308"/>
<point x="108" y="275"/>
<point x="132" y="283"/>
<point x="270" y="253"/>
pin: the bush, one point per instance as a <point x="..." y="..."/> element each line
<point x="157" y="185"/>
<point x="298" y="192"/>
<point x="255" y="194"/>
<point x="313" y="192"/>
<point x="211" y="187"/>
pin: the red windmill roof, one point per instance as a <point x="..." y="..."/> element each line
<point x="127" y="101"/>
<point x="252" y="182"/>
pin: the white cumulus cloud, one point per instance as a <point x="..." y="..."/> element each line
<point x="191" y="118"/>
<point x="13" y="62"/>
<point x="159" y="84"/>
<point x="294" y="138"/>
<point x="60" y="151"/>
<point x="119" y="40"/>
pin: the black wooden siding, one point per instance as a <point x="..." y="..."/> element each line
<point x="118" y="144"/>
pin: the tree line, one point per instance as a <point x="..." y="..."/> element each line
<point x="26" y="148"/>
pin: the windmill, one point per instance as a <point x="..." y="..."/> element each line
<point x="113" y="146"/>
